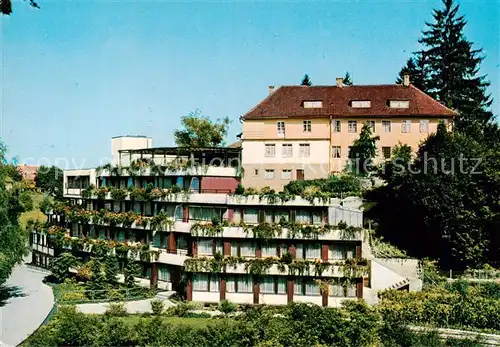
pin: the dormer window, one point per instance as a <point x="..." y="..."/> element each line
<point x="313" y="104"/>
<point x="361" y="104"/>
<point x="399" y="103"/>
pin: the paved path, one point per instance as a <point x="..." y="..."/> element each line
<point x="139" y="306"/>
<point x="22" y="315"/>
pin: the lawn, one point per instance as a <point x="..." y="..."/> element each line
<point x="198" y="323"/>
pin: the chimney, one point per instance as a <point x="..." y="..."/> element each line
<point x="271" y="89"/>
<point x="406" y="80"/>
<point x="340" y="82"/>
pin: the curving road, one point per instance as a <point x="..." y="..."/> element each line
<point x="22" y="315"/>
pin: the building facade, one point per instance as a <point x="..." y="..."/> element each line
<point x="190" y="232"/>
<point x="305" y="132"/>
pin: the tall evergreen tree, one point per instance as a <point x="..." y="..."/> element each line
<point x="347" y="79"/>
<point x="450" y="67"/>
<point x="306" y="81"/>
<point x="415" y="67"/>
<point x="362" y="152"/>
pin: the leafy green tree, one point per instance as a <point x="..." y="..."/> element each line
<point x="363" y="151"/>
<point x="448" y="69"/>
<point x="60" y="265"/>
<point x="306" y="81"/>
<point x="45" y="204"/>
<point x="50" y="180"/>
<point x="12" y="203"/>
<point x="445" y="205"/>
<point x="6" y="6"/>
<point x="201" y="132"/>
<point x="347" y="79"/>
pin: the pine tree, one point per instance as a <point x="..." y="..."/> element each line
<point x="111" y="268"/>
<point x="362" y="152"/>
<point x="347" y="79"/>
<point x="415" y="68"/>
<point x="306" y="81"/>
<point x="449" y="66"/>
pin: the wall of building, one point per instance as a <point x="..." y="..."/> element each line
<point x="128" y="142"/>
<point x="267" y="129"/>
<point x="218" y="184"/>
<point x="321" y="162"/>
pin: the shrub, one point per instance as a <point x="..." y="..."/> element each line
<point x="73" y="297"/>
<point x="240" y="190"/>
<point x="116" y="310"/>
<point x="157" y="307"/>
<point x="115" y="295"/>
<point x="226" y="307"/>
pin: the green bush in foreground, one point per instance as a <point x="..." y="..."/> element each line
<point x="157" y="307"/>
<point x="296" y="325"/>
<point x="227" y="307"/>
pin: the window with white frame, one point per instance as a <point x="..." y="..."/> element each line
<point x="399" y="103"/>
<point x="280" y="126"/>
<point x="371" y="125"/>
<point x="303" y="217"/>
<point x="267" y="285"/>
<point x="269" y="250"/>
<point x="163" y="274"/>
<point x="361" y="104"/>
<point x="281" y="285"/>
<point x="336" y="127"/>
<point x="336" y="252"/>
<point x="307" y="126"/>
<point x="273" y="285"/>
<point x="286" y="174"/>
<point x="269" y="174"/>
<point x="386" y="125"/>
<point x="305" y="286"/>
<point x="200" y="282"/>
<point x="247" y="249"/>
<point x="245" y="284"/>
<point x="214" y="283"/>
<point x="317" y="217"/>
<point x="341" y="251"/>
<point x="251" y="215"/>
<point x="205" y="246"/>
<point x="270" y="150"/>
<point x="286" y="150"/>
<point x="406" y="126"/>
<point x="298" y="286"/>
<point x="313" y="104"/>
<point x="424" y="126"/>
<point x="311" y="287"/>
<point x="234" y="249"/>
<point x="352" y="290"/>
<point x="336" y="290"/>
<point x="313" y="251"/>
<point x="336" y="152"/>
<point x="304" y="150"/>
<point x="352" y="126"/>
<point x="299" y="251"/>
<point x="231" y="284"/>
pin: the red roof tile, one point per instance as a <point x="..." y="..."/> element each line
<point x="287" y="101"/>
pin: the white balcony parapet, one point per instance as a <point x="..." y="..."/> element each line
<point x="213" y="171"/>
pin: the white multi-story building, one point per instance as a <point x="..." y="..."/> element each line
<point x="210" y="243"/>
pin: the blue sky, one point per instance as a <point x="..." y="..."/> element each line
<point x="76" y="73"/>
